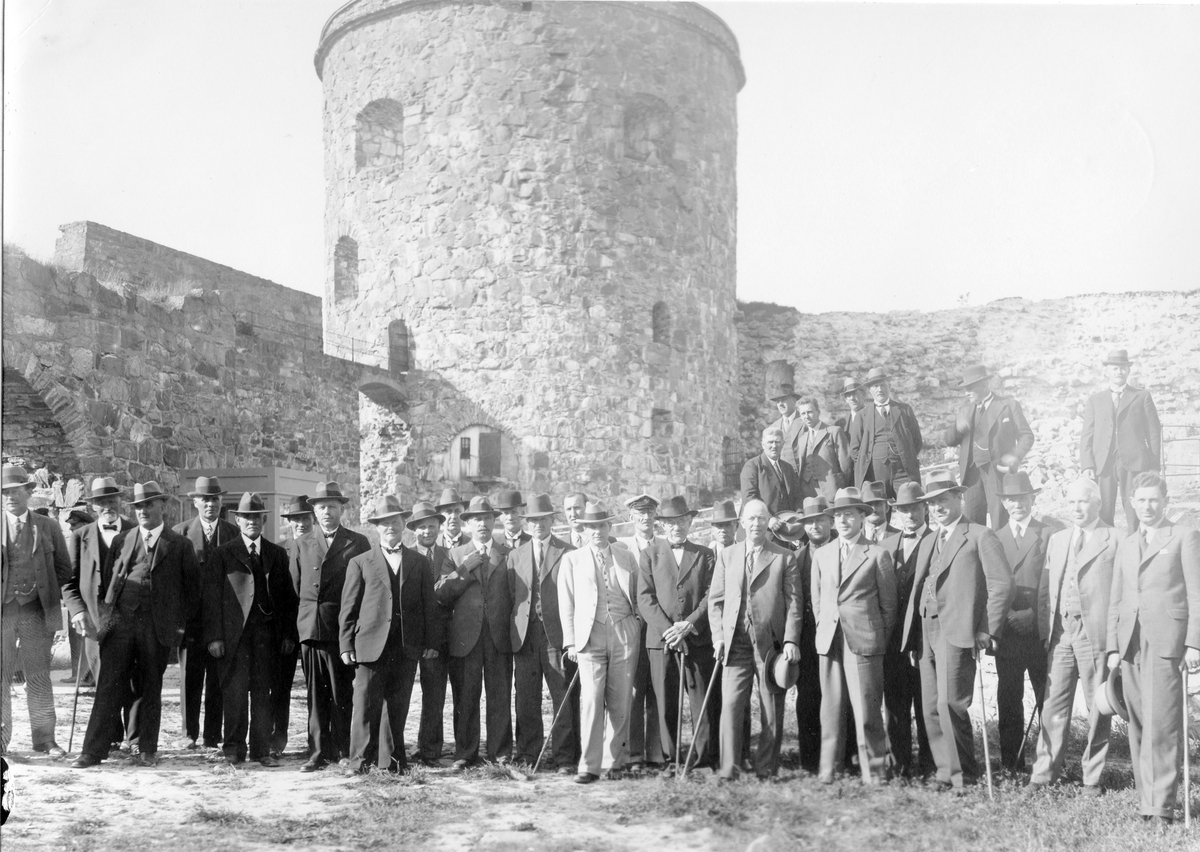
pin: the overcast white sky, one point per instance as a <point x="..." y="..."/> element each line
<point x="890" y="156"/>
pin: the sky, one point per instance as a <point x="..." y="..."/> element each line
<point x="917" y="156"/>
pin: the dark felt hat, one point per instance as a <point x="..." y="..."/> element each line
<point x="423" y="511"/>
<point x="875" y="376"/>
<point x="974" y="374"/>
<point x="908" y="494"/>
<point x="104" y="486"/>
<point x="207" y="486"/>
<point x="296" y="506"/>
<point x="145" y="492"/>
<point x="250" y="504"/>
<point x="1120" y="357"/>
<point x="850" y="385"/>
<point x="450" y="497"/>
<point x="723" y="512"/>
<point x="541" y="506"/>
<point x="940" y="483"/>
<point x="848" y="498"/>
<point x="594" y="514"/>
<point x="384" y="507"/>
<point x="814" y="507"/>
<point x="507" y="500"/>
<point x="1016" y="485"/>
<point x="674" y="507"/>
<point x="479" y="506"/>
<point x="328" y="491"/>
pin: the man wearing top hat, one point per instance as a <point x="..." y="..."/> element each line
<point x="1073" y="608"/>
<point x="200" y="674"/>
<point x="34" y="568"/>
<point x="817" y="525"/>
<point x="597" y="604"/>
<point x="1025" y="539"/>
<point x="474" y="587"/>
<point x="960" y="595"/>
<point x="992" y="437"/>
<point x="320" y="558"/>
<point x="150" y="592"/>
<point x="450" y="506"/>
<point x="510" y="531"/>
<point x="822" y="452"/>
<point x="674" y="575"/>
<point x="885" y="439"/>
<point x="425" y="522"/>
<point x="645" y="741"/>
<point x="298" y="516"/>
<point x="249" y="616"/>
<point x="1121" y="437"/>
<point x="855" y="395"/>
<point x="901" y="676"/>
<point x="790" y="423"/>
<point x="537" y="641"/>
<point x="385" y="628"/>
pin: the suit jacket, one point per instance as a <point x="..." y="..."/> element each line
<point x="905" y="430"/>
<point x="175" y="587"/>
<point x="791" y="438"/>
<point x="1004" y="425"/>
<point x="1162" y="581"/>
<point x="223" y="533"/>
<point x="668" y="592"/>
<point x="437" y="559"/>
<point x="761" y="482"/>
<point x="51" y="562"/>
<point x="1138" y="433"/>
<point x="443" y="540"/>
<point x="579" y="593"/>
<point x="859" y="594"/>
<point x="907" y="636"/>
<point x="229" y="595"/>
<point x="82" y="591"/>
<point x="1027" y="561"/>
<point x="776" y="597"/>
<point x="322" y="570"/>
<point x="367" y="606"/>
<point x="823" y="461"/>
<point x="1094" y="580"/>
<point x="972" y="584"/>
<point x="521" y="580"/>
<point x="499" y="538"/>
<point x="461" y="590"/>
<point x="804" y="573"/>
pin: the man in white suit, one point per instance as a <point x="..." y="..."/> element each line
<point x="597" y="600"/>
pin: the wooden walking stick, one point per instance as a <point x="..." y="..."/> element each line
<point x="1187" y="763"/>
<point x="703" y="705"/>
<point x="987" y="751"/>
<point x="75" y="709"/>
<point x="566" y="700"/>
<point x="679" y="715"/>
<point x="1028" y="725"/>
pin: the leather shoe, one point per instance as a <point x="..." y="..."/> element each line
<point x="635" y="767"/>
<point x="147" y="758"/>
<point x="564" y="770"/>
<point x="228" y="759"/>
<point x="586" y="778"/>
<point x="52" y="749"/>
<point x="313" y="765"/>
<point x="460" y="766"/>
<point x="85" y="761"/>
<point x="1093" y="791"/>
<point x="430" y="762"/>
<point x="613" y="774"/>
<point x="190" y="744"/>
<point x="349" y="772"/>
<point x="269" y="761"/>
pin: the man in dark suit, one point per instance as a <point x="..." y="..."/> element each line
<point x="140" y="622"/>
<point x="645" y="743"/>
<point x="320" y="559"/>
<point x="885" y="438"/>
<point x="450" y="506"/>
<point x="249" y="616"/>
<point x="853" y="393"/>
<point x="1024" y="539"/>
<point x="1153" y="634"/>
<point x="425" y="522"/>
<point x="992" y="437"/>
<point x="385" y="629"/>
<point x="1121" y="437"/>
<point x="790" y="423"/>
<point x="822" y="451"/>
<point x="200" y="674"/>
<point x="674" y="577"/>
<point x="768" y="478"/>
<point x="961" y="594"/>
<point x="537" y="640"/>
<point x="510" y="531"/>
<point x="474" y="587"/>
<point x="34" y="569"/>
<point x="818" y="530"/>
<point x="298" y="517"/>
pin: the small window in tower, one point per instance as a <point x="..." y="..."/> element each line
<point x="660" y="322"/>
<point x="379" y="135"/>
<point x="731" y="463"/>
<point x="649" y="134"/>
<point x="398" y="347"/>
<point x="661" y="423"/>
<point x="345" y="269"/>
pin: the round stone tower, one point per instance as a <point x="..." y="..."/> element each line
<point x="531" y="226"/>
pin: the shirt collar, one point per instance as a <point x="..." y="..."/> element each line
<point x="329" y="534"/>
<point x="151" y="536"/>
<point x="486" y="547"/>
<point x="949" y="529"/>
<point x="987" y="400"/>
<point x="207" y="526"/>
<point x="257" y="542"/>
<point x="23" y="518"/>
<point x="847" y="543"/>
<point x="1022" y="528"/>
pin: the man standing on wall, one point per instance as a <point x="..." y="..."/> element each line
<point x="854" y="395"/>
<point x="768" y="478"/>
<point x="789" y="423"/>
<point x="885" y="439"/>
<point x="822" y="452"/>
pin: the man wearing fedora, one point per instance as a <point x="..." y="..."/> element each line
<point x="724" y="520"/>
<point x="992" y="437"/>
<point x="320" y="558"/>
<point x="140" y="622"/>
<point x="510" y="531"/>
<point x="854" y="594"/>
<point x="767" y="477"/>
<point x="385" y="628"/>
<point x="790" y="423"/>
<point x="597" y="604"/>
<point x="885" y="439"/>
<point x="1025" y="539"/>
<point x="425" y="522"/>
<point x="200" y="672"/>
<point x="901" y="676"/>
<point x="822" y="452"/>
<point x="450" y="506"/>
<point x="298" y="516"/>
<point x="34" y="569"/>
<point x="474" y="587"/>
<point x="1075" y="593"/>
<point x="645" y="741"/>
<point x="960" y="594"/>
<point x="817" y="525"/>
<point x="249" y="617"/>
<point x="875" y="525"/>
<point x="755" y="613"/>
<point x="1153" y="635"/>
<point x="1121" y="437"/>
<point x="673" y="581"/>
<point x="537" y="641"/>
<point x="855" y="396"/>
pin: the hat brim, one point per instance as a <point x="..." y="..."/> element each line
<point x="896" y="504"/>
<point x="595" y="522"/>
<point x="236" y="511"/>
<point x="149" y="499"/>
<point x="875" y="381"/>
<point x="964" y="384"/>
<point x="690" y="513"/>
<point x="414" y="520"/>
<point x="1110" y="701"/>
<point x="792" y="395"/>
<point x="477" y="514"/>
<point x="867" y="508"/>
<point x="929" y="495"/>
<point x="806" y="518"/>
<point x="1019" y="493"/>
<point x="1109" y="362"/>
<point x="295" y="514"/>
<point x="535" y="515"/>
<point x="499" y="509"/>
<point x="377" y="518"/>
<point x="11" y="485"/>
<point x="724" y="520"/>
<point x="312" y="501"/>
<point x="92" y="498"/>
<point x="207" y="493"/>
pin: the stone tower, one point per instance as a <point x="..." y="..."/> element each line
<point x="531" y="224"/>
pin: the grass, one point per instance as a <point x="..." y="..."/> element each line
<point x="222" y="816"/>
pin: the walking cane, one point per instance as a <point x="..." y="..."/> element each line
<point x="1025" y="738"/>
<point x="987" y="751"/>
<point x="703" y="706"/>
<point x="679" y="715"/>
<point x="566" y="700"/>
<point x="1187" y="763"/>
<point x="75" y="708"/>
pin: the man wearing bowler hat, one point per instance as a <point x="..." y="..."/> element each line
<point x="854" y="594"/>
<point x="1121" y="437"/>
<point x="474" y="587"/>
<point x="320" y="558"/>
<point x="150" y="592"/>
<point x="249" y="617"/>
<point x="885" y="439"/>
<point x="450" y="505"/>
<point x="510" y="531"/>
<point x="992" y="437"/>
<point x="645" y="744"/>
<point x="673" y="581"/>
<point x="34" y="569"/>
<point x="790" y="423"/>
<point x="537" y="641"/>
<point x="298" y="516"/>
<point x="199" y="670"/>
<point x="385" y="629"/>
<point x="425" y="522"/>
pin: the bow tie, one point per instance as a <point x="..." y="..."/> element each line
<point x="395" y="549"/>
<point x="109" y="527"/>
<point x="329" y="535"/>
<point x="908" y="535"/>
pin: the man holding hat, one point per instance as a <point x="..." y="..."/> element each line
<point x="140" y="622"/>
<point x="385" y="628"/>
<point x="34" y="569"/>
<point x="645" y="741"/>
<point x="790" y="423"/>
<point x="673" y="580"/>
<point x="249" y="616"/>
<point x="450" y="505"/>
<point x="854" y="589"/>
<point x="885" y="439"/>
<point x="474" y="587"/>
<point x="1121" y="437"/>
<point x="511" y="530"/>
<point x="992" y="436"/>
<point x="537" y="641"/>
<point x="199" y="670"/>
<point x="425" y="522"/>
<point x="321" y="558"/>
<point x="298" y="516"/>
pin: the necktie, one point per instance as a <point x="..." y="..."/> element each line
<point x="599" y="558"/>
<point x="147" y="540"/>
<point x="254" y="560"/>
<point x="1078" y="543"/>
<point x="539" y="555"/>
<point x="20" y="529"/>
<point x="883" y="410"/>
